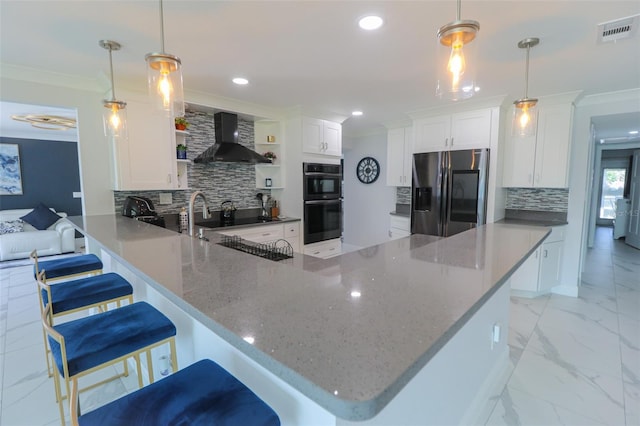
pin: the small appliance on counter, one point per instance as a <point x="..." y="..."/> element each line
<point x="227" y="213"/>
<point x="141" y="208"/>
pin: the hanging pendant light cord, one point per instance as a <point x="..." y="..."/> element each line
<point x="526" y="76"/>
<point x="113" y="87"/>
<point x="161" y="29"/>
<point x="458" y="10"/>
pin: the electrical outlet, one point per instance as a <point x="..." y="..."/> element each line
<point x="495" y="334"/>
<point x="165" y="198"/>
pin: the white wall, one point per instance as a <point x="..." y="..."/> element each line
<point x="581" y="178"/>
<point x="86" y="98"/>
<point x="366" y="206"/>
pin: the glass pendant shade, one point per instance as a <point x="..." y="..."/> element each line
<point x="525" y="111"/>
<point x="457" y="59"/>
<point x="114" y="118"/>
<point x="114" y="115"/>
<point x="164" y="77"/>
<point x="525" y="117"/>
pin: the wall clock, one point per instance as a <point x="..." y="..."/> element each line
<point x="368" y="170"/>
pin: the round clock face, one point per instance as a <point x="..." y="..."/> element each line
<point x="368" y="170"/>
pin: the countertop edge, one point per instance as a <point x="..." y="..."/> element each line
<point x="346" y="409"/>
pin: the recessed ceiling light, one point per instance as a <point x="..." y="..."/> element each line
<point x="241" y="81"/>
<point x="356" y="113"/>
<point x="633" y="132"/>
<point x="370" y="22"/>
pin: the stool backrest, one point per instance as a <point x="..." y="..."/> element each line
<point x="34" y="257"/>
<point x="41" y="281"/>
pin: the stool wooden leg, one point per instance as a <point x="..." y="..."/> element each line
<point x="174" y="355"/>
<point x="150" y="366"/>
<point x="137" y="358"/>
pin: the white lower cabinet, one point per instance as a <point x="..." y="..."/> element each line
<point x="541" y="271"/>
<point x="324" y="249"/>
<point x="265" y="234"/>
<point x="399" y="226"/>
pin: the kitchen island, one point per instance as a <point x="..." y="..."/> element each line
<point x="412" y="331"/>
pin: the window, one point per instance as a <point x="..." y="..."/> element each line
<point x="613" y="180"/>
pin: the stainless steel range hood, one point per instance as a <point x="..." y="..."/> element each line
<point x="226" y="147"/>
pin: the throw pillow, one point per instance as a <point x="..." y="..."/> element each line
<point x="41" y="217"/>
<point x="11" y="226"/>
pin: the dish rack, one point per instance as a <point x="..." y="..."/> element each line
<point x="276" y="250"/>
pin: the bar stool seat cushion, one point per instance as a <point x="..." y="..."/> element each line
<point x="106" y="336"/>
<point x="202" y="394"/>
<point x="69" y="266"/>
<point x="70" y="295"/>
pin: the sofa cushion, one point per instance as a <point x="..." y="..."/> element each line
<point x="11" y="226"/>
<point x="41" y="217"/>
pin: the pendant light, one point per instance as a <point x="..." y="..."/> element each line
<point x="456" y="61"/>
<point x="525" y="112"/>
<point x="114" y="116"/>
<point x="164" y="76"/>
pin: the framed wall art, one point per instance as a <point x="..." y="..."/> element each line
<point x="10" y="177"/>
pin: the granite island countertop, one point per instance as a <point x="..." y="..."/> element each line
<point x="413" y="294"/>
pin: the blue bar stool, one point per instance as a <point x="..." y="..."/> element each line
<point x="82" y="346"/>
<point x="67" y="267"/>
<point x="202" y="394"/>
<point x="72" y="296"/>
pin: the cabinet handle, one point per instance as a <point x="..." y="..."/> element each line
<point x="451" y="141"/>
<point x="446" y="141"/>
<point x="545" y="252"/>
<point x="267" y="234"/>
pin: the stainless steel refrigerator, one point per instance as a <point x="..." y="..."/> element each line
<point x="449" y="191"/>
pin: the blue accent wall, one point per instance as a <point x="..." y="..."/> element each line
<point x="50" y="174"/>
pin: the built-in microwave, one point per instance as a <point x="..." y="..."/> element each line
<point x="321" y="181"/>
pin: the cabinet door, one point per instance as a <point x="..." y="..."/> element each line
<point x="526" y="277"/>
<point x="471" y="129"/>
<point x="432" y="134"/>
<point x="395" y="157"/>
<point x="552" y="151"/>
<point x="332" y="137"/>
<point x="312" y="135"/>
<point x="519" y="162"/>
<point x="408" y="156"/>
<point x="147" y="158"/>
<point x="550" y="261"/>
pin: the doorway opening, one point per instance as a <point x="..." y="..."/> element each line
<point x="612" y="189"/>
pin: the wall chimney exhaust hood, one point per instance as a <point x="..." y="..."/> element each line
<point x="226" y="147"/>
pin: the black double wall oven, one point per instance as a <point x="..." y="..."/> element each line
<point x="322" y="189"/>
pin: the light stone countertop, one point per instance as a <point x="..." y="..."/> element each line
<point x="324" y="325"/>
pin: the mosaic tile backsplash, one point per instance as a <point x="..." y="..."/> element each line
<point x="403" y="195"/>
<point x="218" y="181"/>
<point x="547" y="199"/>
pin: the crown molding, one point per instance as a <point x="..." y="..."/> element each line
<point x="33" y="75"/>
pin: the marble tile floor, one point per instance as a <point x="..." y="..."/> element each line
<point x="574" y="361"/>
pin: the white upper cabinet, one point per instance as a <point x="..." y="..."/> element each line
<point x="464" y="130"/>
<point x="541" y="161"/>
<point x="321" y="137"/>
<point x="399" y="156"/>
<point x="146" y="160"/>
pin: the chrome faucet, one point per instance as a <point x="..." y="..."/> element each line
<point x="205" y="210"/>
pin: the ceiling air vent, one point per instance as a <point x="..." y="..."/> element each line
<point x="618" y="29"/>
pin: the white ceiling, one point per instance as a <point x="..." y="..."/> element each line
<point x="312" y="53"/>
